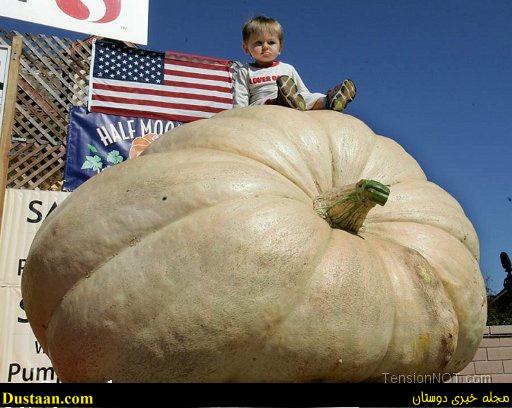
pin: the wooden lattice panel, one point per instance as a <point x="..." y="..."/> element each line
<point x="53" y="77"/>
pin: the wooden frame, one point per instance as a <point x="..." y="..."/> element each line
<point x="8" y="115"/>
<point x="53" y="76"/>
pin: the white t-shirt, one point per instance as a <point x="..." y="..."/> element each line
<point x="255" y="85"/>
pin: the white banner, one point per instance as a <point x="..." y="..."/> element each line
<point x="21" y="356"/>
<point x="125" y="20"/>
<point x="5" y="53"/>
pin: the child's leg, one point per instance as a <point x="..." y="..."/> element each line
<point x="319" y="103"/>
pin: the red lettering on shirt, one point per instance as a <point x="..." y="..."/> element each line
<point x="258" y="80"/>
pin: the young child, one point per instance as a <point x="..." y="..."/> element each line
<point x="268" y="81"/>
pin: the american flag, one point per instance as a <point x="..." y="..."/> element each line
<point x="181" y="87"/>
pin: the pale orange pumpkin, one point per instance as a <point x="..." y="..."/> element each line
<point x="205" y="259"/>
<point x="141" y="143"/>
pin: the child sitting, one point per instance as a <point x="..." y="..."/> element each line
<point x="268" y="81"/>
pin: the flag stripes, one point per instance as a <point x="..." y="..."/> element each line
<point x="108" y="90"/>
<point x="170" y="86"/>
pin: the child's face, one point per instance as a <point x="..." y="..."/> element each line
<point x="264" y="47"/>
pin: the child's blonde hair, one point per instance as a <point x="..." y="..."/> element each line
<point x="262" y="24"/>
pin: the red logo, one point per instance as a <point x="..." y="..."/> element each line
<point x="77" y="9"/>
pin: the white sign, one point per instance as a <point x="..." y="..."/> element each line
<point x="125" y="20"/>
<point x="5" y="53"/>
<point x="21" y="356"/>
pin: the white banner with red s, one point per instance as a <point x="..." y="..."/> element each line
<point x="125" y="20"/>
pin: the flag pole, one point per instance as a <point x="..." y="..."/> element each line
<point x="91" y="69"/>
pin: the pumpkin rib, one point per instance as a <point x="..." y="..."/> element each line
<point x="273" y="332"/>
<point x="182" y="139"/>
<point x="397" y="220"/>
<point x="248" y="158"/>
<point x="385" y="146"/>
<point x="312" y="174"/>
<point x="331" y="154"/>
<point x="329" y="122"/>
<point x="396" y="239"/>
<point x="411" y="200"/>
<point x="140" y="239"/>
<point x="64" y="204"/>
<point x="266" y="166"/>
<point x="448" y="199"/>
<point x="331" y="151"/>
<point x="286" y="158"/>
<point x="340" y="301"/>
<point x="331" y="143"/>
<point x="314" y="271"/>
<point x="292" y="140"/>
<point x="455" y="284"/>
<point x="436" y="306"/>
<point x="376" y="373"/>
<point x="299" y="206"/>
<point x="262" y="170"/>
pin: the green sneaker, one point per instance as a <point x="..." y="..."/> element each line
<point x="288" y="94"/>
<point x="341" y="95"/>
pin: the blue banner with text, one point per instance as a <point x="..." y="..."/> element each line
<point x="97" y="141"/>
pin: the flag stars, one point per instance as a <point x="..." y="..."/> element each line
<point x="128" y="65"/>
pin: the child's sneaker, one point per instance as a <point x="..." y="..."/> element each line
<point x="288" y="94"/>
<point x="339" y="96"/>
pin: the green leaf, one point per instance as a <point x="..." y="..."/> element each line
<point x="114" y="157"/>
<point x="93" y="163"/>
<point x="86" y="164"/>
<point x="97" y="164"/>
<point x="92" y="149"/>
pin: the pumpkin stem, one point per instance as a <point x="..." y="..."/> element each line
<point x="346" y="208"/>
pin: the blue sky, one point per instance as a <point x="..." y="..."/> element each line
<point x="436" y="79"/>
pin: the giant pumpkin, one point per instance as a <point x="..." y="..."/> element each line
<point x="248" y="247"/>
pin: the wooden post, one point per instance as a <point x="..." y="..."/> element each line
<point x="8" y="120"/>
